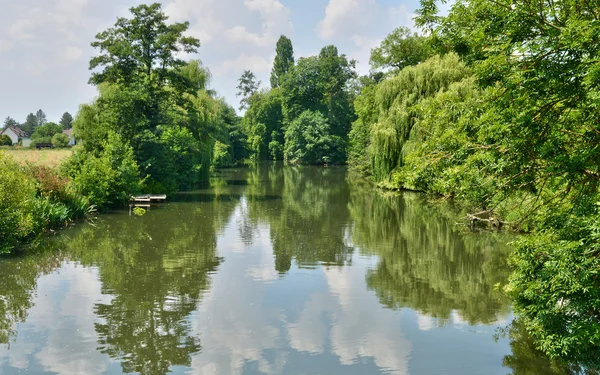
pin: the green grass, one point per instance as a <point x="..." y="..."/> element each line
<point x="48" y="158"/>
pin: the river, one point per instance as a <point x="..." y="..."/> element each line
<point x="274" y="270"/>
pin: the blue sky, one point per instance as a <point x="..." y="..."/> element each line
<point x="45" y="44"/>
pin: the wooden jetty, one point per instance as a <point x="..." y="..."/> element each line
<point x="146" y="201"/>
<point x="148" y="198"/>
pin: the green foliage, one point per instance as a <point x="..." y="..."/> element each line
<point x="556" y="290"/>
<point x="34" y="199"/>
<point x="31" y="123"/>
<point x="5" y="140"/>
<point x="284" y="60"/>
<point x="16" y="217"/>
<point x="110" y="177"/>
<point x="41" y="118"/>
<point x="396" y="101"/>
<point x="141" y="48"/>
<point x="318" y="84"/>
<point x="247" y="86"/>
<point x="60" y="140"/>
<point x="511" y="128"/>
<point x="139" y="211"/>
<point x="66" y="121"/>
<point x="9" y="121"/>
<point x="264" y="123"/>
<point x="158" y="103"/>
<point x="46" y="131"/>
<point x="309" y="140"/>
<point x="400" y="49"/>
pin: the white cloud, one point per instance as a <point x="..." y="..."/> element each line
<point x="5" y="45"/>
<point x="347" y="17"/>
<point x="255" y="63"/>
<point x="73" y="53"/>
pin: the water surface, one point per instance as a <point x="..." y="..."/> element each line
<point x="269" y="271"/>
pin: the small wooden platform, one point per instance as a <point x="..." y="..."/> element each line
<point x="149" y="198"/>
<point x="146" y="201"/>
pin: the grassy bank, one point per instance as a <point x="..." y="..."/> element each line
<point x="46" y="158"/>
<point x="34" y="197"/>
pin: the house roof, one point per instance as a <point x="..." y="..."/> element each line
<point x="20" y="133"/>
<point x="68" y="133"/>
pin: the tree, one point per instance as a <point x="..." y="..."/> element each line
<point x="246" y="88"/>
<point x="142" y="48"/>
<point x="263" y="123"/>
<point x="66" y="121"/>
<point x="284" y="60"/>
<point x="31" y="123"/>
<point x="47" y="130"/>
<point x="309" y="140"/>
<point x="400" y="49"/>
<point x="41" y="117"/>
<point x="320" y="83"/>
<point x="9" y="121"/>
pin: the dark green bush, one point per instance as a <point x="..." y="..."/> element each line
<point x="5" y="140"/>
<point x="60" y="140"/>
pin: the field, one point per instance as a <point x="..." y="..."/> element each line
<point x="49" y="158"/>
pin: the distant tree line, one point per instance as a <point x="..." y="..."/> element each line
<point x="40" y="130"/>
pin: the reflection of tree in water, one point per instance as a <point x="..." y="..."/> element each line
<point x="156" y="267"/>
<point x="427" y="262"/>
<point x="525" y="359"/>
<point x="310" y="221"/>
<point x="18" y="282"/>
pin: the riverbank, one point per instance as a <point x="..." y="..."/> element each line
<point x="36" y="198"/>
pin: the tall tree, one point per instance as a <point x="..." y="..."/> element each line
<point x="143" y="47"/>
<point x="41" y="117"/>
<point x="246" y="87"/>
<point x="400" y="49"/>
<point x="284" y="59"/>
<point x="31" y="123"/>
<point x="66" y="120"/>
<point x="9" y="121"/>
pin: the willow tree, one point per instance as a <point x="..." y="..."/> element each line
<point x="397" y="98"/>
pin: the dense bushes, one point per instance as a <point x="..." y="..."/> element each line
<point x="60" y="140"/>
<point x="34" y="199"/>
<point x="308" y="140"/>
<point x="108" y="178"/>
<point x="5" y="140"/>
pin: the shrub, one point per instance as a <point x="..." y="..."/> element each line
<point x="51" y="185"/>
<point x="555" y="288"/>
<point x="17" y="192"/>
<point x="60" y="140"/>
<point x="109" y="178"/>
<point x="46" y="131"/>
<point x="5" y="140"/>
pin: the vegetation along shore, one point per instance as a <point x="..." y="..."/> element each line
<point x="494" y="104"/>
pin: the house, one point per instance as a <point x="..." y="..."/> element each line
<point x="15" y="134"/>
<point x="69" y="133"/>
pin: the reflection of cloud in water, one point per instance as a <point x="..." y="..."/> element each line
<point x="456" y="321"/>
<point x="357" y="332"/>
<point x="265" y="270"/>
<point x="231" y="321"/>
<point x="60" y="327"/>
